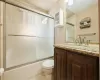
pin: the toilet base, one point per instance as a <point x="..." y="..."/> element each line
<point x="47" y="71"/>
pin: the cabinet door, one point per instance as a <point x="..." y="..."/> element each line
<point x="60" y="67"/>
<point x="80" y="67"/>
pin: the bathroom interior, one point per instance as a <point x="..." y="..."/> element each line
<point x="49" y="39"/>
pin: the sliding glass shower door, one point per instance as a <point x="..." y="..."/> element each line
<point x="29" y="37"/>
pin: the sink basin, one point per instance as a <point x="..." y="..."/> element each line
<point x="92" y="48"/>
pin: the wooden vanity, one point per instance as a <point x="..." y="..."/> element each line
<point x="75" y="65"/>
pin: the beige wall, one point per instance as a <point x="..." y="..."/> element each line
<point x="91" y="12"/>
<point x="59" y="32"/>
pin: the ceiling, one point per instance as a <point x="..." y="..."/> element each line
<point x="46" y="5"/>
<point x="43" y="4"/>
<point x="80" y="5"/>
<point x="76" y="7"/>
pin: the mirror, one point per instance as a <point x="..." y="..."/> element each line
<point x="82" y="20"/>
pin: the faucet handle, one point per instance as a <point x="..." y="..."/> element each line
<point x="83" y="39"/>
<point x="76" y="41"/>
<point x="88" y="42"/>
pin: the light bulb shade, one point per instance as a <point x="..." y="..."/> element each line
<point x="66" y="1"/>
<point x="70" y="2"/>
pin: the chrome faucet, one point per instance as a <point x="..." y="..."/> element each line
<point x="81" y="40"/>
<point x="88" y="42"/>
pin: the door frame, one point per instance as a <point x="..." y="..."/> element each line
<point x="99" y="33"/>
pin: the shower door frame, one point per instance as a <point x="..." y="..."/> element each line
<point x="4" y="38"/>
<point x="27" y="63"/>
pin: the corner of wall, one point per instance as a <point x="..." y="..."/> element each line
<point x="59" y="32"/>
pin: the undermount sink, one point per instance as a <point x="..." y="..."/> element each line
<point x="92" y="48"/>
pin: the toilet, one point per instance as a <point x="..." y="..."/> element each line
<point x="47" y="67"/>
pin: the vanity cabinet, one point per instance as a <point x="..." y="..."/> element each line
<point x="70" y="65"/>
<point x="60" y="67"/>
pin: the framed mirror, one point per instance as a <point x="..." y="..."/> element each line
<point x="82" y="20"/>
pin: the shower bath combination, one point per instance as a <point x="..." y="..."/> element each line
<point x="28" y="39"/>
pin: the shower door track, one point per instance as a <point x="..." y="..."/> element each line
<point x="26" y="9"/>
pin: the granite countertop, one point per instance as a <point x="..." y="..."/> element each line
<point x="81" y="51"/>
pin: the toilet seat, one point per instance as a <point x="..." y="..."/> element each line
<point x="48" y="64"/>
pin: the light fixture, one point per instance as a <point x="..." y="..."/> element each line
<point x="44" y="21"/>
<point x="66" y="0"/>
<point x="70" y="2"/>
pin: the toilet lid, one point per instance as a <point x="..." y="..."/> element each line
<point x="48" y="64"/>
